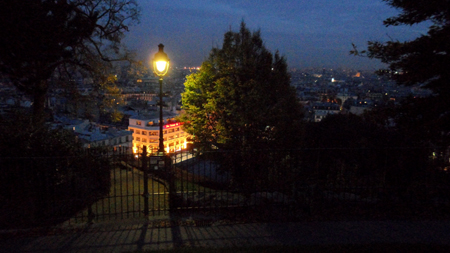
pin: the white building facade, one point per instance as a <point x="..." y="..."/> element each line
<point x="145" y="129"/>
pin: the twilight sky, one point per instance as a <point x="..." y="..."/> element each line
<point x="308" y="33"/>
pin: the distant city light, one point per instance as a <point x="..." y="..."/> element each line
<point x="192" y="68"/>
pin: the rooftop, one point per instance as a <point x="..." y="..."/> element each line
<point x="153" y="115"/>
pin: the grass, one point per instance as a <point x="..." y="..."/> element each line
<point x="183" y="185"/>
<point x="125" y="199"/>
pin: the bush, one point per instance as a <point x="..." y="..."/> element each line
<point x="46" y="176"/>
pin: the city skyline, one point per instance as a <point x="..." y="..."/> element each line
<point x="308" y="34"/>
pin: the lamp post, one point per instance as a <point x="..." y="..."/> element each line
<point x="160" y="68"/>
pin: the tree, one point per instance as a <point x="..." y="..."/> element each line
<point x="55" y="180"/>
<point x="241" y="97"/>
<point x="423" y="61"/>
<point x="112" y="100"/>
<point x="352" y="151"/>
<point x="38" y="37"/>
<point x="136" y="70"/>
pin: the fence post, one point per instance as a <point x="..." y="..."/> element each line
<point x="146" y="195"/>
<point x="91" y="215"/>
<point x="171" y="180"/>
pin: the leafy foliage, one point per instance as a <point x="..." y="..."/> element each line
<point x="348" y="147"/>
<point x="241" y="97"/>
<point x="47" y="170"/>
<point x="112" y="100"/>
<point x="241" y="101"/>
<point x="136" y="70"/>
<point x="39" y="37"/>
<point x="424" y="60"/>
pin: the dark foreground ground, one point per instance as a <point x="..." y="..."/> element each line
<point x="143" y="235"/>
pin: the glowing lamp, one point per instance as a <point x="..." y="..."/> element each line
<point x="160" y="62"/>
<point x="160" y="68"/>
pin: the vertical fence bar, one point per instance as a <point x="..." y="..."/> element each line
<point x="137" y="175"/>
<point x="153" y="195"/>
<point x="144" y="169"/>
<point x="115" y="195"/>
<point x="171" y="184"/>
<point x="100" y="203"/>
<point x="121" y="158"/>
<point x="121" y="188"/>
<point x="180" y="179"/>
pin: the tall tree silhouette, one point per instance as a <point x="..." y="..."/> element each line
<point x="39" y="36"/>
<point x="241" y="97"/>
<point x="424" y="61"/>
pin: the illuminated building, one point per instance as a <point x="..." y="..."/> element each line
<point x="321" y="110"/>
<point x="145" y="129"/>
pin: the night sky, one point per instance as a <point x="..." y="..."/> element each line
<point x="308" y="33"/>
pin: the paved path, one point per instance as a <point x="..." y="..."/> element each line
<point x="126" y="236"/>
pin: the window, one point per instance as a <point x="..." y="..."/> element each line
<point x="138" y="123"/>
<point x="153" y="133"/>
<point x="144" y="132"/>
<point x="144" y="140"/>
<point x="138" y="139"/>
<point x="171" y="130"/>
<point x="165" y="132"/>
<point x="131" y="130"/>
<point x="138" y="132"/>
<point x="177" y="129"/>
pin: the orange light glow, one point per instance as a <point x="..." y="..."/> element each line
<point x="167" y="148"/>
<point x="172" y="125"/>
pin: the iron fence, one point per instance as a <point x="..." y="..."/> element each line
<point x="252" y="185"/>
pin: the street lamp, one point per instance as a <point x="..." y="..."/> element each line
<point x="160" y="68"/>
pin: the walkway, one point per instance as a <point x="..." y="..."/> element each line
<point x="132" y="235"/>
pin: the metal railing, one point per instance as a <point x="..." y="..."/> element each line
<point x="256" y="185"/>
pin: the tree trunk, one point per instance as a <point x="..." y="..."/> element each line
<point x="39" y="103"/>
